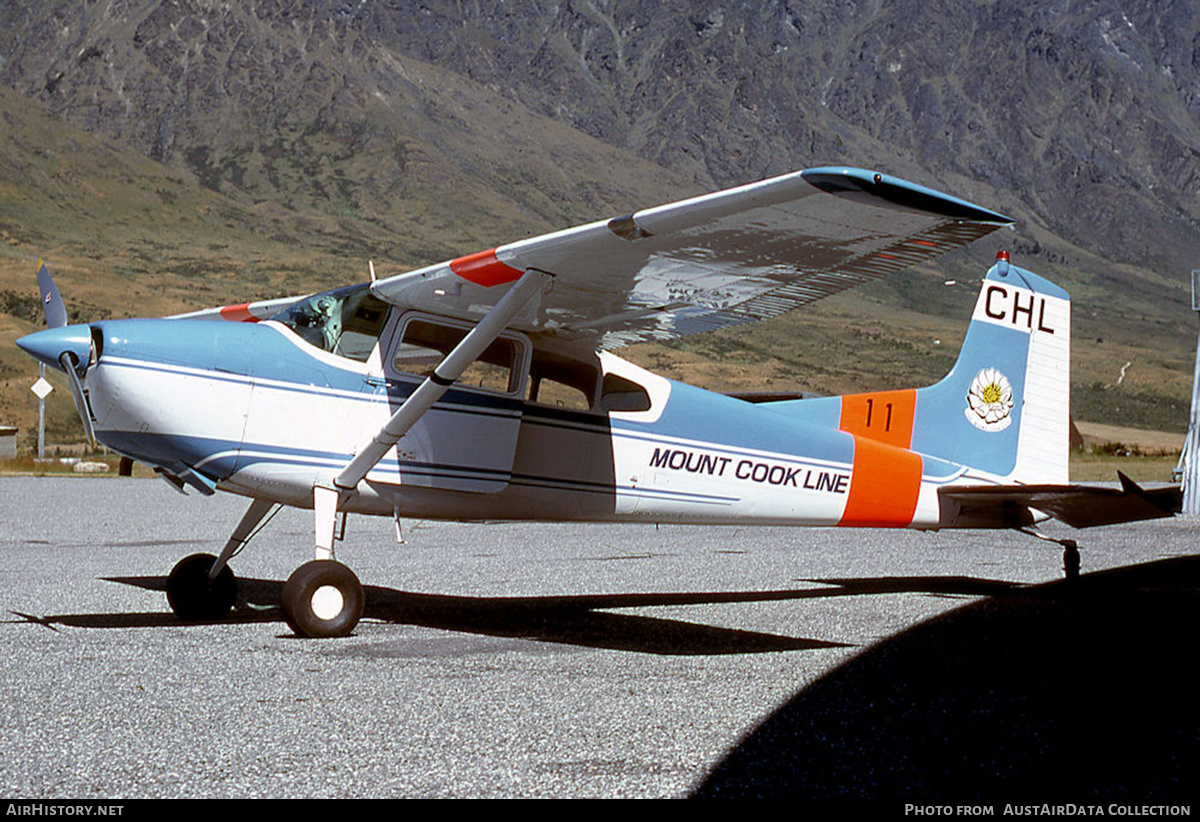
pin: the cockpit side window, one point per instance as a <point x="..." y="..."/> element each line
<point x="345" y="321"/>
<point x="425" y="343"/>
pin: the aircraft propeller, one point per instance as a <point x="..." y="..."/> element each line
<point x="66" y="347"/>
<point x="52" y="301"/>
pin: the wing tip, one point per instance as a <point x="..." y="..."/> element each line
<point x="883" y="190"/>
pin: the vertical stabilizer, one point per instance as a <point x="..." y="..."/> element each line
<point x="1004" y="409"/>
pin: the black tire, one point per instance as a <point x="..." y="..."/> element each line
<point x="312" y="610"/>
<point x="193" y="597"/>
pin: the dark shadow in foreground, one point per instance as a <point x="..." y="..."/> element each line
<point x="1069" y="691"/>
<point x="572" y="620"/>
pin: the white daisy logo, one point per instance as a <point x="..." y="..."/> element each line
<point x="990" y="401"/>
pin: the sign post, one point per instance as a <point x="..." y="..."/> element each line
<point x="42" y="389"/>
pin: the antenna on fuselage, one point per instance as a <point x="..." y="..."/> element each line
<point x="371" y="268"/>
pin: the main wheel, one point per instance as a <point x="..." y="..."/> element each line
<point x="322" y="598"/>
<point x="193" y="596"/>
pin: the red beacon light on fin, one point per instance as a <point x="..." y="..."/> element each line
<point x="1002" y="263"/>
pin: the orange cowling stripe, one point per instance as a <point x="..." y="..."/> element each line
<point x="484" y="269"/>
<point x="884" y="485"/>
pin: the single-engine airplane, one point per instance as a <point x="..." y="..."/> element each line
<point x="485" y="387"/>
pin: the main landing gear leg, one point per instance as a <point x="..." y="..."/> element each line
<point x="323" y="598"/>
<point x="202" y="587"/>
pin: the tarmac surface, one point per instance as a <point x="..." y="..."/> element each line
<point x="525" y="660"/>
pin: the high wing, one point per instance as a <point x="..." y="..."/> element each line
<point x="723" y="259"/>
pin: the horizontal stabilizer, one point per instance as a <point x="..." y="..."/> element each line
<point x="1080" y="506"/>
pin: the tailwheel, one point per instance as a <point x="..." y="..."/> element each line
<point x="193" y="596"/>
<point x="322" y="598"/>
<point x="1070" y="558"/>
<point x="1070" y="552"/>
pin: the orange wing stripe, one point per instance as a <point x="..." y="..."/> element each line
<point x="484" y="269"/>
<point x="884" y="485"/>
<point x="238" y="313"/>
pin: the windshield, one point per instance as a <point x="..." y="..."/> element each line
<point x="345" y="321"/>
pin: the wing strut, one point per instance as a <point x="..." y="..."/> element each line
<point x="326" y="499"/>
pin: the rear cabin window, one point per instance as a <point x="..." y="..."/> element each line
<point x="620" y="394"/>
<point x="576" y="385"/>
<point x="345" y="321"/>
<point x="426" y="343"/>
<point x="562" y="382"/>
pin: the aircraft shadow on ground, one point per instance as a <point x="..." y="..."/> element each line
<point x="577" y="620"/>
<point x="1070" y="691"/>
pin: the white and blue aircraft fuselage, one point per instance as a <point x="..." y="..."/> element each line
<point x="486" y="383"/>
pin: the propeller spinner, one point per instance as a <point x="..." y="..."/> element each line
<point x="65" y="347"/>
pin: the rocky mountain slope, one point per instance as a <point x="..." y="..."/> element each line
<point x="1079" y="115"/>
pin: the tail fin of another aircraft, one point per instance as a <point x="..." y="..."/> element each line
<point x="1004" y="409"/>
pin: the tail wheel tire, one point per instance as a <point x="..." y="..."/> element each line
<point x="322" y="598"/>
<point x="193" y="596"/>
